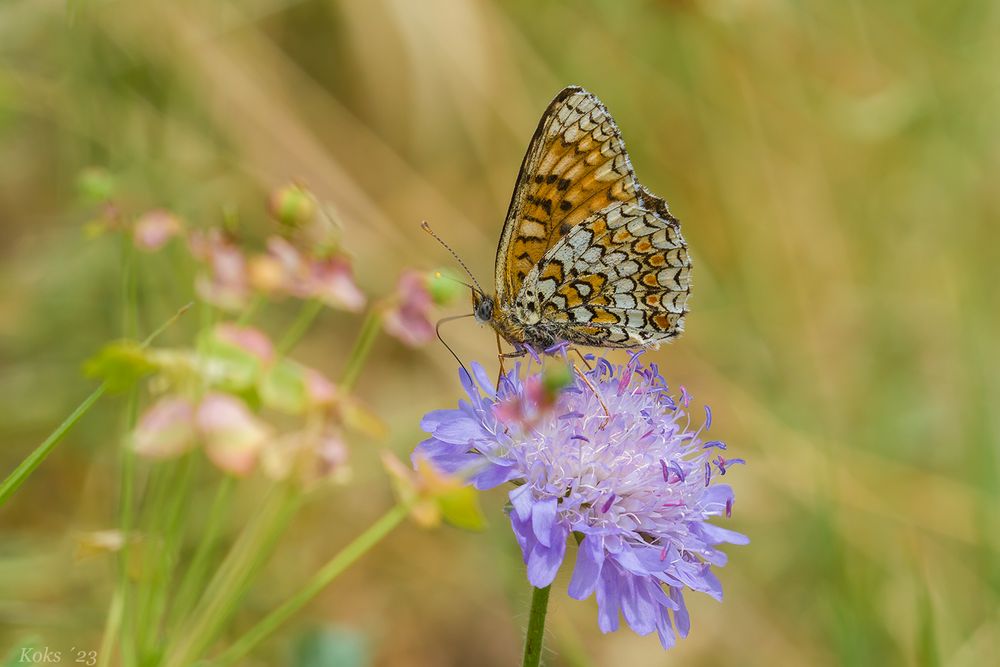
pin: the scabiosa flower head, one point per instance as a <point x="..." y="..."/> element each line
<point x="613" y="461"/>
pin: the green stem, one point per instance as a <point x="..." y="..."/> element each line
<point x="168" y="516"/>
<point x="335" y="566"/>
<point x="251" y="310"/>
<point x="362" y="346"/>
<point x="24" y="469"/>
<point x="120" y="599"/>
<point x="536" y="627"/>
<point x="194" y="578"/>
<point x="308" y="312"/>
<point x="35" y="458"/>
<point x="230" y="581"/>
<point x="118" y="617"/>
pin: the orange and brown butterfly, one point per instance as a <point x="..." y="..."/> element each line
<point x="587" y="255"/>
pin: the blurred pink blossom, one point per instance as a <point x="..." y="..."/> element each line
<point x="409" y="317"/>
<point x="331" y="280"/>
<point x="226" y="283"/>
<point x="320" y="391"/>
<point x="232" y="435"/>
<point x="311" y="456"/>
<point x="154" y="228"/>
<point x="166" y="429"/>
<point x="327" y="279"/>
<point x="249" y="339"/>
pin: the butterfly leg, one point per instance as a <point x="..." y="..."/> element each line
<point x="583" y="358"/>
<point x="586" y="380"/>
<point x="518" y="352"/>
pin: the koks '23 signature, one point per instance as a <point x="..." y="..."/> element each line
<point x="46" y="656"/>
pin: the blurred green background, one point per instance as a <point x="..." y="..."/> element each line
<point x="834" y="167"/>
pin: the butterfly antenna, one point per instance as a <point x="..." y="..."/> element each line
<point x="427" y="228"/>
<point x="437" y="330"/>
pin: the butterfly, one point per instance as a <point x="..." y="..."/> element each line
<point x="587" y="255"/>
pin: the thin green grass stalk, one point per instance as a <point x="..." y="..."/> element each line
<point x="178" y="495"/>
<point x="536" y="627"/>
<point x="27" y="466"/>
<point x="257" y="562"/>
<point x="251" y="310"/>
<point x="118" y="618"/>
<point x="207" y="616"/>
<point x="197" y="570"/>
<point x="308" y="312"/>
<point x="15" y="479"/>
<point x="333" y="568"/>
<point x="158" y="488"/>
<point x="362" y="347"/>
<point x="119" y="599"/>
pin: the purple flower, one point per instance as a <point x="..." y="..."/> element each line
<point x="612" y="462"/>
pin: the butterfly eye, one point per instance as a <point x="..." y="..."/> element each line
<point x="484" y="310"/>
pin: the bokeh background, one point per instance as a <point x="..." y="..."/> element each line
<point x="834" y="167"/>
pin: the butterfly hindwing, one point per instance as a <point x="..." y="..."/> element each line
<point x="621" y="278"/>
<point x="575" y="165"/>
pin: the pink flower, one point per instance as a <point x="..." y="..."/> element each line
<point x="226" y="283"/>
<point x="329" y="279"/>
<point x="248" y="339"/>
<point x="409" y="318"/>
<point x="154" y="229"/>
<point x="166" y="430"/>
<point x="320" y="391"/>
<point x="233" y="436"/>
<point x="311" y="456"/>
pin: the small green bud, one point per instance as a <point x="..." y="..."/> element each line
<point x="293" y="206"/>
<point x="444" y="287"/>
<point x="95" y="185"/>
<point x="555" y="377"/>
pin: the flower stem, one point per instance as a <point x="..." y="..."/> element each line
<point x="362" y="346"/>
<point x="226" y="588"/>
<point x="197" y="570"/>
<point x="536" y="627"/>
<point x="308" y="312"/>
<point x="24" y="469"/>
<point x="35" y="458"/>
<point x="335" y="566"/>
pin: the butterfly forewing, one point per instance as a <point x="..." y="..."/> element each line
<point x="575" y="165"/>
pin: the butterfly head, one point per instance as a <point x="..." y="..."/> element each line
<point x="482" y="307"/>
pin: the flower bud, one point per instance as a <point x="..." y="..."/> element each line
<point x="445" y="287"/>
<point x="95" y="184"/>
<point x="293" y="206"/>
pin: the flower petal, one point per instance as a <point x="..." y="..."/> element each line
<point x="521" y="499"/>
<point x="543" y="516"/>
<point x="608" y="599"/>
<point x="544" y="562"/>
<point x="587" y="573"/>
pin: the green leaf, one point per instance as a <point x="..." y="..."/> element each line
<point x="460" y="507"/>
<point x="120" y="364"/>
<point x="283" y="388"/>
<point x="331" y="647"/>
<point x="227" y="365"/>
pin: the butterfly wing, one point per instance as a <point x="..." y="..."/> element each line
<point x="575" y="165"/>
<point x="621" y="278"/>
